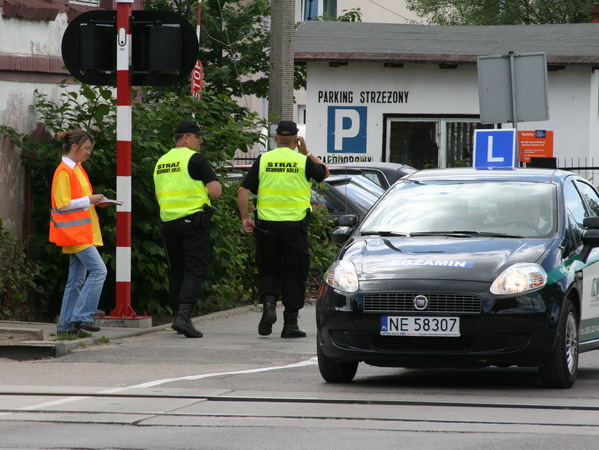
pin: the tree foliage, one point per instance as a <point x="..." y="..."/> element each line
<point x="502" y="12"/>
<point x="234" y="42"/>
<point x="93" y="109"/>
<point x="18" y="276"/>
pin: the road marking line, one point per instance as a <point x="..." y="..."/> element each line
<point x="309" y="362"/>
<point x="52" y="403"/>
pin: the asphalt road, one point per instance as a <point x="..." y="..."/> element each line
<point x="234" y="389"/>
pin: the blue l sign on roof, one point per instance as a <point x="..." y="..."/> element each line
<point x="494" y="149"/>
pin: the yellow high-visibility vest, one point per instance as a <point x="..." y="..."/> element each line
<point x="283" y="191"/>
<point x="178" y="194"/>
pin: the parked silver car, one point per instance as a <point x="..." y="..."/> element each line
<point x="382" y="173"/>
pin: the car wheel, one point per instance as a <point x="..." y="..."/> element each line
<point x="333" y="371"/>
<point x="561" y="368"/>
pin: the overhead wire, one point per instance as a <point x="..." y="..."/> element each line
<point x="230" y="46"/>
<point x="391" y="11"/>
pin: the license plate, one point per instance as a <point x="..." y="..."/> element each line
<point x="420" y="326"/>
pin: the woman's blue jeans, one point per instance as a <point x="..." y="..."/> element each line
<point x="87" y="273"/>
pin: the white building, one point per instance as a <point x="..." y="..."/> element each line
<point x="409" y="93"/>
<point x="381" y="11"/>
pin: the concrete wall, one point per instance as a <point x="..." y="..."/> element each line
<point x="27" y="48"/>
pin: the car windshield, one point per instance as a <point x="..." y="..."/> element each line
<point x="487" y="208"/>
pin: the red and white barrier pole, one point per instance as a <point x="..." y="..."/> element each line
<point x="197" y="74"/>
<point x="123" y="162"/>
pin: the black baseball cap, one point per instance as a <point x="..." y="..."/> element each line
<point x="189" y="126"/>
<point x="287" y="128"/>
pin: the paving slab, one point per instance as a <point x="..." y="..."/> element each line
<point x="15" y="335"/>
<point x="34" y="340"/>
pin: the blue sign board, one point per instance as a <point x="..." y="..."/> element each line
<point x="346" y="129"/>
<point x="494" y="149"/>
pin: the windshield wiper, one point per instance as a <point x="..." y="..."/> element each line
<point x="384" y="233"/>
<point x="464" y="233"/>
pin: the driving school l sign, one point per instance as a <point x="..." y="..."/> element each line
<point x="494" y="149"/>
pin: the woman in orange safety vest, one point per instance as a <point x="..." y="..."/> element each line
<point x="74" y="226"/>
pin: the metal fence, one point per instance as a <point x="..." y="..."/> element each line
<point x="585" y="167"/>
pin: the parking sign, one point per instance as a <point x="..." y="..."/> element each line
<point x="494" y="149"/>
<point x="346" y="129"/>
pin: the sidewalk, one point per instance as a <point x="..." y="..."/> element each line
<point x="33" y="340"/>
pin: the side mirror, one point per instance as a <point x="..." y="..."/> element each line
<point x="341" y="234"/>
<point x="590" y="236"/>
<point x="591" y="222"/>
<point x="351" y="220"/>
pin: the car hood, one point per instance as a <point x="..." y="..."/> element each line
<point x="446" y="258"/>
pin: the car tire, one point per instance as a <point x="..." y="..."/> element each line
<point x="333" y="371"/>
<point x="562" y="367"/>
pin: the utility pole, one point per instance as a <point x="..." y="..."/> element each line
<point x="280" y="88"/>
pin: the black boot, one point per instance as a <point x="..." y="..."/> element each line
<point x="290" y="328"/>
<point x="269" y="315"/>
<point x="182" y="323"/>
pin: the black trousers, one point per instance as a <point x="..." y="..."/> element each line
<point x="189" y="253"/>
<point x="283" y="260"/>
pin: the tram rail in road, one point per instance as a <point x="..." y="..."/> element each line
<point x="189" y="408"/>
<point x="307" y="400"/>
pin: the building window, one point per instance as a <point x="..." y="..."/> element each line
<point x="330" y="8"/>
<point x="431" y="142"/>
<point x="315" y="8"/>
<point x="310" y="9"/>
<point x="459" y="142"/>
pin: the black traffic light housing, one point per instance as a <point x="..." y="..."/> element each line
<point x="164" y="48"/>
<point x="97" y="51"/>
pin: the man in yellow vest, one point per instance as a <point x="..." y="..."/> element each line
<point x="281" y="178"/>
<point x="185" y="183"/>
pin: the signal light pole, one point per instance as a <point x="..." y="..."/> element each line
<point x="123" y="307"/>
<point x="162" y="55"/>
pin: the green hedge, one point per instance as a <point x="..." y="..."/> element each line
<point x="233" y="273"/>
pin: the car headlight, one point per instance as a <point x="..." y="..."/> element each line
<point x="342" y="275"/>
<point x="519" y="278"/>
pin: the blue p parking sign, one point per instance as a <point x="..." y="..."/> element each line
<point x="346" y="129"/>
<point x="495" y="149"/>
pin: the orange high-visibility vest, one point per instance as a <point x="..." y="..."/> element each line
<point x="72" y="227"/>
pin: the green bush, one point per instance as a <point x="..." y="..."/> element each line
<point x="233" y="273"/>
<point x="17" y="276"/>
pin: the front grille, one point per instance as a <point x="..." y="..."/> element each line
<point x="437" y="303"/>
<point x="422" y="344"/>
